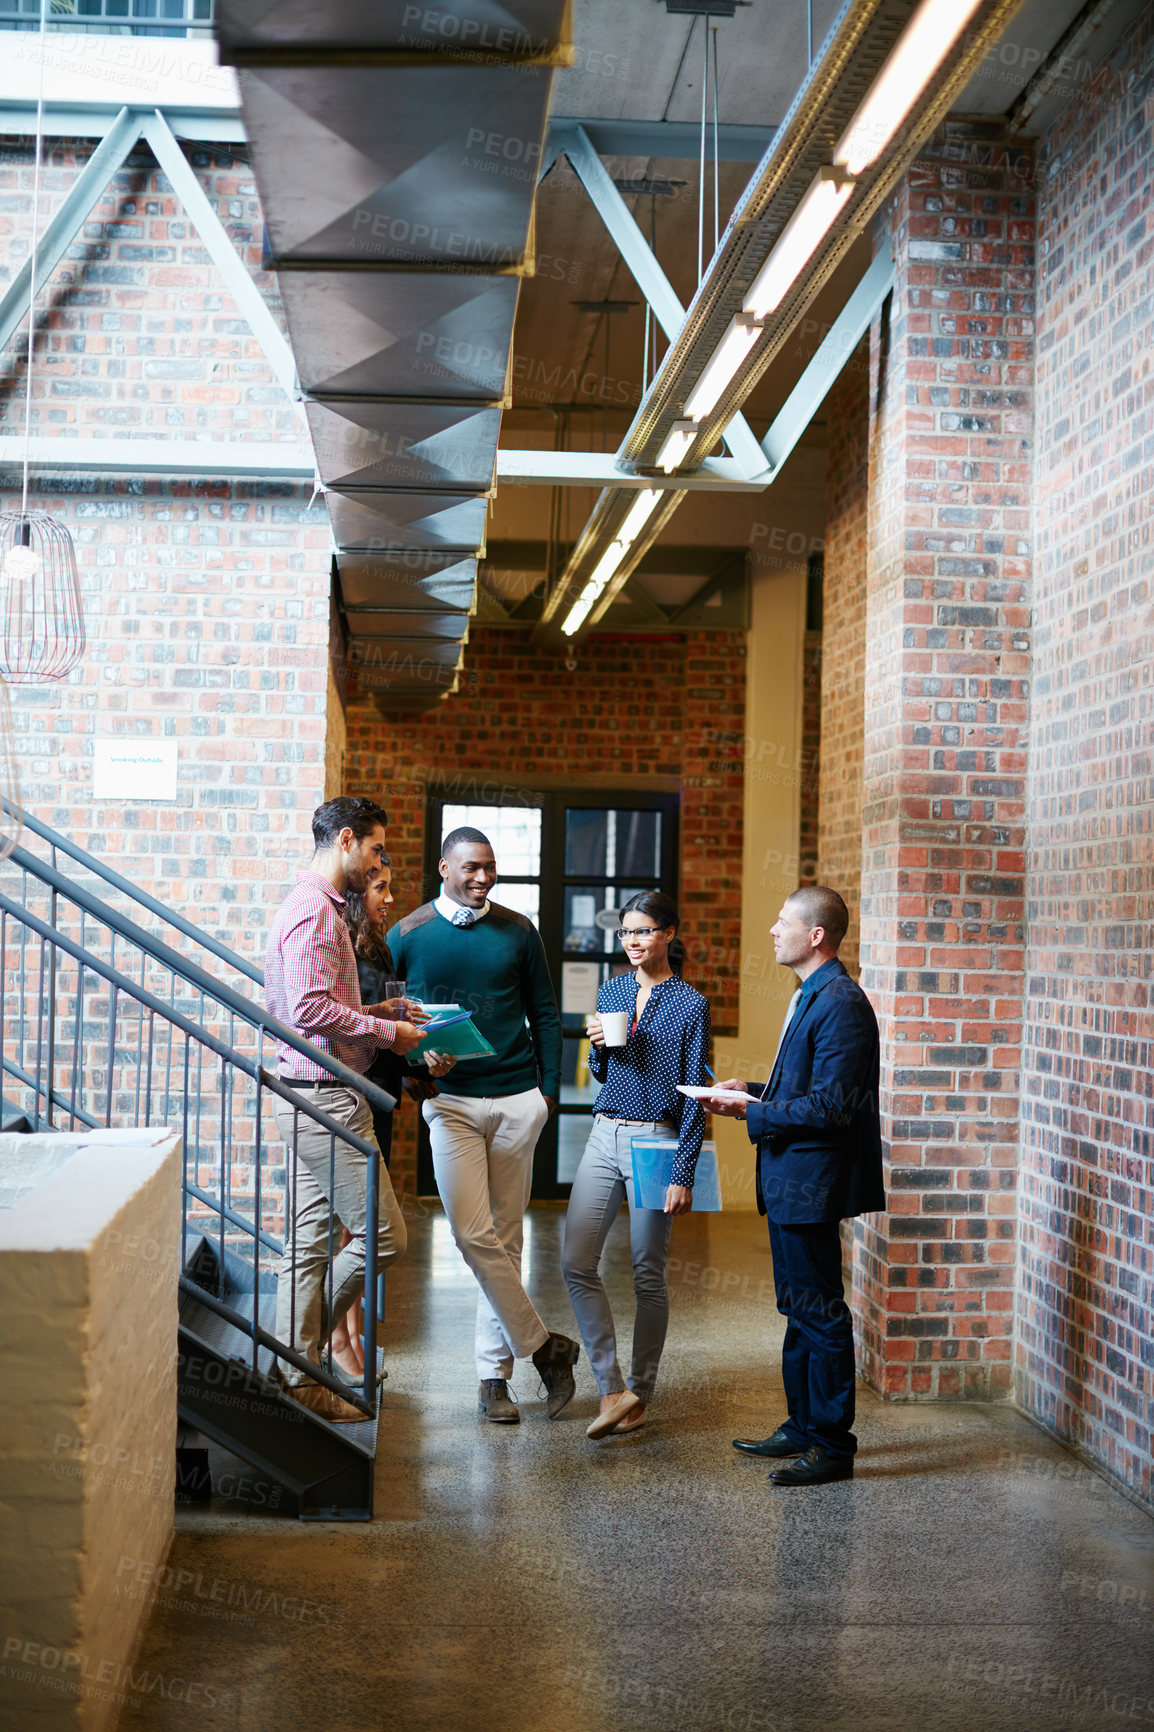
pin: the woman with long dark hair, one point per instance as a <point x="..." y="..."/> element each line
<point x="667" y="1042"/>
<point x="366" y="915"/>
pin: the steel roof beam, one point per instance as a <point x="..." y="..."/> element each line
<point x="832" y="353"/>
<point x="225" y="257"/>
<point x="600" y="469"/>
<point x="678" y="140"/>
<point x="75" y="209"/>
<point x="643" y="266"/>
<point x="246" y="459"/>
<point x="91" y="120"/>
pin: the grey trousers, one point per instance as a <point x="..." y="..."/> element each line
<point x="604" y="1181"/>
<point x="301" y="1312"/>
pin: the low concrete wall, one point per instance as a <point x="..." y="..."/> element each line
<point x="88" y="1317"/>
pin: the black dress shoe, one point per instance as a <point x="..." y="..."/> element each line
<point x="816" y="1467"/>
<point x="780" y="1444"/>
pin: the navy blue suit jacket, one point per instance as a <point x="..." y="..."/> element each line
<point x="817" y="1131"/>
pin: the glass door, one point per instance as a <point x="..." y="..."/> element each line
<point x="568" y="862"/>
<point x="612" y="847"/>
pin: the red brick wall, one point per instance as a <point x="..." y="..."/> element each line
<point x="636" y="707"/>
<point x="206" y="602"/>
<point x="943" y="787"/>
<point x="1085" y="1357"/>
<point x="843" y="641"/>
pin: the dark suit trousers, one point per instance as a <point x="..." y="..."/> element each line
<point x="817" y="1360"/>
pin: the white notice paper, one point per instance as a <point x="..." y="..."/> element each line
<point x="134" y="770"/>
<point x="579" y="984"/>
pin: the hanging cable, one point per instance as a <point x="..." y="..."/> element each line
<point x="716" y="200"/>
<point x="42" y="635"/>
<point x="809" y="32"/>
<point x="35" y="252"/>
<point x="701" y="177"/>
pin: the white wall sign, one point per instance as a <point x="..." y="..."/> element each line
<point x="134" y="770"/>
<point x="579" y="984"/>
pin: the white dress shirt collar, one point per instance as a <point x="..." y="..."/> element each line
<point x="447" y="908"/>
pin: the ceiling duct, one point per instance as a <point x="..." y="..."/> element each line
<point x="397" y="149"/>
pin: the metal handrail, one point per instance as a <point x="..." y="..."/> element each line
<point x="100" y="870"/>
<point x="194" y="1031"/>
<point x="264" y="1079"/>
<point x="247" y="1008"/>
<point x="262" y="1337"/>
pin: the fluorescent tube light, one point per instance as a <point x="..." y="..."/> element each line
<point x="741" y="334"/>
<point x="677" y="442"/>
<point x="922" y="46"/>
<point x="612" y="559"/>
<point x="607" y="567"/>
<point x="639" y="514"/>
<point x="796" y="245"/>
<point x="578" y="613"/>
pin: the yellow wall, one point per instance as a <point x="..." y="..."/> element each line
<point x="772" y="750"/>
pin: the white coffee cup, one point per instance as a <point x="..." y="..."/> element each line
<point x="615" y="1027"/>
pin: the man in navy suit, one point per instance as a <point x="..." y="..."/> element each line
<point x="819" y="1160"/>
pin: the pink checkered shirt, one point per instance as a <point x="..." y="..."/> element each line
<point x="310" y="982"/>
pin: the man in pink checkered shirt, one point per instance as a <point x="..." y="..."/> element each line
<point x="311" y="985"/>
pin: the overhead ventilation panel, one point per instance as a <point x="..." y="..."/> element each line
<point x="397" y="151"/>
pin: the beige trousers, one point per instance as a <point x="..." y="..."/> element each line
<point x="483" y="1161"/>
<point x="324" y="1181"/>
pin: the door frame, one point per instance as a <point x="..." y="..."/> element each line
<point x="553" y="803"/>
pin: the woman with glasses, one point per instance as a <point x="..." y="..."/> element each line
<point x="667" y="1043"/>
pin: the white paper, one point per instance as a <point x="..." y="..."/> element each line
<point x="714" y="1093"/>
<point x="579" y="984"/>
<point x="134" y="770"/>
<point x="583" y="910"/>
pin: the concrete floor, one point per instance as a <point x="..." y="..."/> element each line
<point x="973" y="1575"/>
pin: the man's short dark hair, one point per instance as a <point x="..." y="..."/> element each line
<point x="818" y="905"/>
<point x="465" y="837"/>
<point x="355" y="812"/>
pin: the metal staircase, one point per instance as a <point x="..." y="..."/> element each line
<point x="104" y="1022"/>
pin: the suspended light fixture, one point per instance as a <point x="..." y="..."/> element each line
<point x="924" y="44"/>
<point x="41" y="614"/>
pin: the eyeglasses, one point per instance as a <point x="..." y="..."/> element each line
<point x="624" y="932"/>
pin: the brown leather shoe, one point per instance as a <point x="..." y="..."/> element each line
<point x="326" y="1404"/>
<point x="495" y="1403"/>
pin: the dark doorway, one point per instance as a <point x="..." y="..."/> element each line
<point x="568" y="861"/>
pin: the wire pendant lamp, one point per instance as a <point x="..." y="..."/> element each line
<point x="42" y="633"/>
<point x="41" y="614"/>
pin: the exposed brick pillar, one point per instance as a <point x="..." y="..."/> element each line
<point x="839" y="849"/>
<point x="944" y="766"/>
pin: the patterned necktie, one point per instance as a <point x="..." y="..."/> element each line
<point x="464" y="917"/>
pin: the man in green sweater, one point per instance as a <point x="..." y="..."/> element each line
<point x="484" y="1124"/>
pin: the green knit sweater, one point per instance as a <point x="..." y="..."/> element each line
<point x="497" y="970"/>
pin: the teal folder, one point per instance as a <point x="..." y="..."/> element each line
<point x="653" y="1174"/>
<point x="455" y="1033"/>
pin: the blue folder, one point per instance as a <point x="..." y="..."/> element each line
<point x="653" y="1173"/>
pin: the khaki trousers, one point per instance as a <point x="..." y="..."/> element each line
<point x="483" y="1162"/>
<point x="321" y="1181"/>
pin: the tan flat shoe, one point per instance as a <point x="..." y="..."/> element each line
<point x="326" y="1403"/>
<point x="612" y="1417"/>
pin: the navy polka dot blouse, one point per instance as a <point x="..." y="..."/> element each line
<point x="670" y="1045"/>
